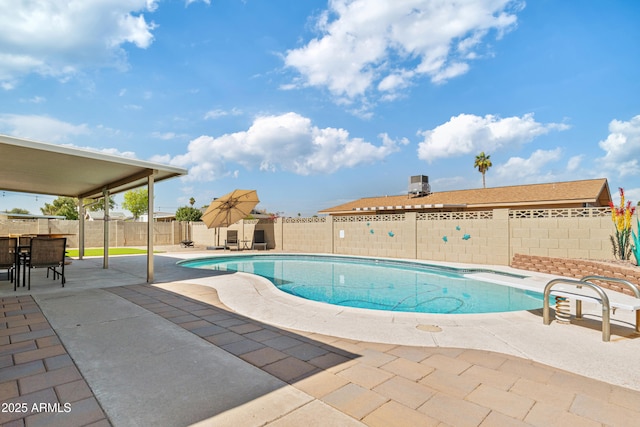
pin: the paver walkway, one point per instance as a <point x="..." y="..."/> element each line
<point x="40" y="384"/>
<point x="374" y="384"/>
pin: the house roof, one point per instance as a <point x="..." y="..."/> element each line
<point x="99" y="215"/>
<point x="593" y="191"/>
<point x="161" y="214"/>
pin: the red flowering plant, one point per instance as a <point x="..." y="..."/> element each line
<point x="621" y="217"/>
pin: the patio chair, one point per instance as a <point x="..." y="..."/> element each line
<point x="232" y="239"/>
<point x="49" y="254"/>
<point x="8" y="256"/>
<point x="259" y="240"/>
<point x="24" y="240"/>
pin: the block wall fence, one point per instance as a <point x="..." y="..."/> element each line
<point x="120" y="233"/>
<point x="482" y="237"/>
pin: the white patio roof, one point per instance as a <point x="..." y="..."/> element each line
<point x="41" y="168"/>
<point x="36" y="167"/>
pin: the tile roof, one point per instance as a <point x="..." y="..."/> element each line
<point x="593" y="191"/>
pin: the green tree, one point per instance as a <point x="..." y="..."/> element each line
<point x="136" y="202"/>
<point x="188" y="213"/>
<point x="99" y="205"/>
<point x="192" y="201"/>
<point x="62" y="206"/>
<point x="483" y="163"/>
<point x="18" y="211"/>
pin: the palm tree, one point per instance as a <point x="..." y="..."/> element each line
<point x="483" y="163"/>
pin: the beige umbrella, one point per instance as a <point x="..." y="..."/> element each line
<point x="230" y="208"/>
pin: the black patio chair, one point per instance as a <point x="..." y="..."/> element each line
<point x="232" y="239"/>
<point x="24" y="240"/>
<point x="49" y="254"/>
<point x="259" y="240"/>
<point x="8" y="256"/>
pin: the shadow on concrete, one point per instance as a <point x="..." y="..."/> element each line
<point x="152" y="356"/>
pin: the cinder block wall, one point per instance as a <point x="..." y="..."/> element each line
<point x="135" y="233"/>
<point x="120" y="233"/>
<point x="372" y="235"/>
<point x="18" y="227"/>
<point x="204" y="236"/>
<point x="562" y="237"/>
<point x="484" y="237"/>
<point x="492" y="237"/>
<point x="302" y="234"/>
<point x="473" y="237"/>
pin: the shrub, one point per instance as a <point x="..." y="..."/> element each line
<point x="621" y="217"/>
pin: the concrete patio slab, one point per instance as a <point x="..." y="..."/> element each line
<point x="134" y="360"/>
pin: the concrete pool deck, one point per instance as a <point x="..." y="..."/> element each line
<point x="207" y="348"/>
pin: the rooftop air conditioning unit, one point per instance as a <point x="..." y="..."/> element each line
<point x="419" y="185"/>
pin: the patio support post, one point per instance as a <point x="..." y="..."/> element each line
<point x="105" y="258"/>
<point x="150" y="182"/>
<point x="80" y="228"/>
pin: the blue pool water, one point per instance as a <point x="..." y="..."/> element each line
<point x="377" y="284"/>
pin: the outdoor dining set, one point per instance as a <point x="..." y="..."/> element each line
<point x="20" y="254"/>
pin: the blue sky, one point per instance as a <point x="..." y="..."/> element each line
<point x="315" y="103"/>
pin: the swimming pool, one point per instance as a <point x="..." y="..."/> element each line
<point x="379" y="284"/>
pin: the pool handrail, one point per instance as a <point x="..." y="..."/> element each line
<point x="634" y="288"/>
<point x="604" y="300"/>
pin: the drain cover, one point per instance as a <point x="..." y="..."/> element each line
<point x="429" y="328"/>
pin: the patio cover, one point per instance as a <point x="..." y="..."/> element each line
<point x="40" y="168"/>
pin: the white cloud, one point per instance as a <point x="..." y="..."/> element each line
<point x="188" y="2"/>
<point x="632" y="194"/>
<point x="467" y="133"/>
<point x="574" y="163"/>
<point x="58" y="38"/>
<point x="520" y="169"/>
<point x="387" y="44"/>
<point x="168" y="136"/>
<point x="622" y="147"/>
<point x="448" y="183"/>
<point x="288" y="142"/>
<point x="217" y="113"/>
<point x="112" y="151"/>
<point x="161" y="158"/>
<point x="54" y="131"/>
<point x="40" y="128"/>
<point x="34" y="100"/>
